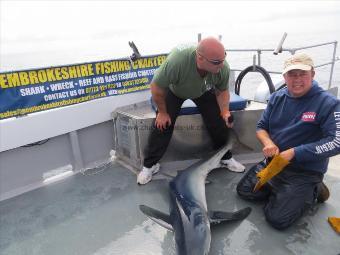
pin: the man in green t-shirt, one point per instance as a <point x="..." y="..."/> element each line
<point x="201" y="74"/>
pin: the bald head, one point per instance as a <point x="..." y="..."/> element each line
<point x="211" y="48"/>
<point x="210" y="55"/>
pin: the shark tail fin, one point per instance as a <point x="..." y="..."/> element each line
<point x="157" y="216"/>
<point x="217" y="217"/>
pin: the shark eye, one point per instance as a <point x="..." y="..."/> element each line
<point x="199" y="219"/>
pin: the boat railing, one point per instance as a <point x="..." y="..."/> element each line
<point x="257" y="57"/>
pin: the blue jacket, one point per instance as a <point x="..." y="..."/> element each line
<point x="310" y="124"/>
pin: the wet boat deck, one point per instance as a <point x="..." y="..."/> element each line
<point x="97" y="213"/>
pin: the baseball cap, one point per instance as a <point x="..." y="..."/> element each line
<point x="299" y="61"/>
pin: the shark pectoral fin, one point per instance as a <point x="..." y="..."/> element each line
<point x="207" y="179"/>
<point x="217" y="217"/>
<point x="157" y="216"/>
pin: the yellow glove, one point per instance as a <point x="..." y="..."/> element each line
<point x="275" y="166"/>
<point x="335" y="223"/>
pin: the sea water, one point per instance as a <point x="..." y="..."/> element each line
<point x="40" y="34"/>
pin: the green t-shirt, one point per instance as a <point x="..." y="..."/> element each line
<point x="179" y="73"/>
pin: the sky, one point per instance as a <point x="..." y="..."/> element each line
<point x="48" y="33"/>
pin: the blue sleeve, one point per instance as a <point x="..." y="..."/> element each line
<point x="263" y="122"/>
<point x="329" y="145"/>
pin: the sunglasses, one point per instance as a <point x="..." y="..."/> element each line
<point x="212" y="61"/>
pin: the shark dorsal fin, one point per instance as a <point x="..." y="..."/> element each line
<point x="157" y="216"/>
<point x="217" y="217"/>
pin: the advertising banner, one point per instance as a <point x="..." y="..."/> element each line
<point x="28" y="91"/>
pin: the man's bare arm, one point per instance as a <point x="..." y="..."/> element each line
<point x="158" y="95"/>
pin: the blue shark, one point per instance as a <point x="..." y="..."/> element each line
<point x="189" y="217"/>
